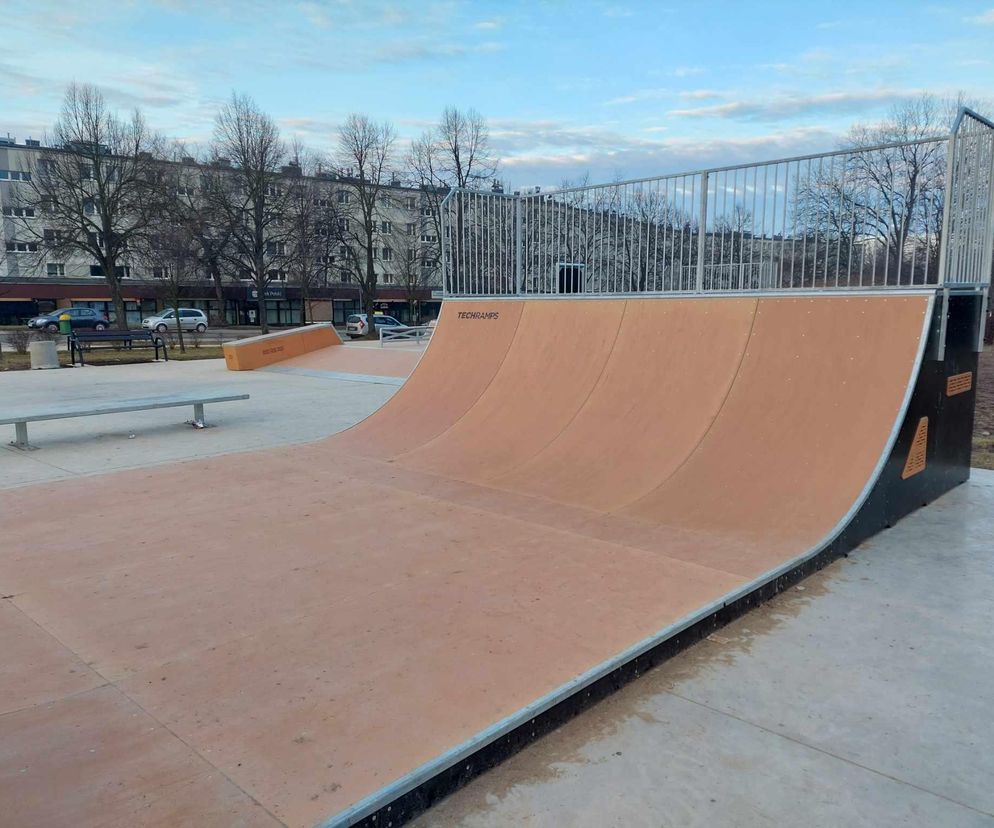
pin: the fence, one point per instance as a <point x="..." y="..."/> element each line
<point x="416" y="334"/>
<point x="899" y="215"/>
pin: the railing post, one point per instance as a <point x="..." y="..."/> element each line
<point x="443" y="228"/>
<point x="518" y="249"/>
<point x="947" y="207"/>
<point x="988" y="230"/>
<point x="701" y="233"/>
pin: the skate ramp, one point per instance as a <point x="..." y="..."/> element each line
<point x="269" y="349"/>
<point x="366" y="363"/>
<point x="561" y="485"/>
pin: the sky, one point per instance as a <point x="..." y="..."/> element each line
<point x="606" y="89"/>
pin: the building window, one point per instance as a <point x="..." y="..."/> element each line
<point x="273" y="190"/>
<point x="276" y="248"/>
<point x="343" y="224"/>
<point x="386" y="227"/>
<point x="185" y="191"/>
<point x="85" y="172"/>
<point x="344" y="197"/>
<point x="343" y="251"/>
<point x="426" y="211"/>
<point x="14" y="175"/>
<point x="19" y="212"/>
<point x="53" y="236"/>
<point x="276" y="275"/>
<point x="411" y="203"/>
<point x="387" y="254"/>
<point x="122" y="271"/>
<point x="428" y="239"/>
<point x="411" y="229"/>
<point x="22" y="247"/>
<point x="376" y="253"/>
<point x="325" y="260"/>
<point x="160" y="272"/>
<point x="55" y="269"/>
<point x="322" y="202"/>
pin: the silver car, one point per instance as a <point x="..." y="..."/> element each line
<point x="190" y="319"/>
<point x="356" y="324"/>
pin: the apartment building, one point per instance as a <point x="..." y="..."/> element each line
<point x="33" y="281"/>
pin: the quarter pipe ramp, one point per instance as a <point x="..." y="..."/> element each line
<point x="563" y="492"/>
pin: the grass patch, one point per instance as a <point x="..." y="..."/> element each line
<point x="983" y="453"/>
<point x="110" y="356"/>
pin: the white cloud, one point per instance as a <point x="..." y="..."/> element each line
<point x="546" y="152"/>
<point x="701" y="94"/>
<point x="489" y="25"/>
<point x="640" y="95"/>
<point x="687" y="71"/>
<point x="787" y="106"/>
<point x="985" y="18"/>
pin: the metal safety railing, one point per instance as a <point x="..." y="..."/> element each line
<point x="413" y="333"/>
<point x="901" y="215"/>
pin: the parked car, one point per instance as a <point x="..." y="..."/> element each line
<point x="79" y="318"/>
<point x="190" y="319"/>
<point x="355" y="325"/>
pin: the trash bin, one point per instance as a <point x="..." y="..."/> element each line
<point x="43" y="354"/>
<point x="65" y="326"/>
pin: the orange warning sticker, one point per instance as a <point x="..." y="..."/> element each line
<point x="959" y="384"/>
<point x="916" y="455"/>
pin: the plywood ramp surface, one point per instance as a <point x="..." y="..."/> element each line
<point x="668" y="373"/>
<point x="815" y="399"/>
<point x="556" y="481"/>
<point x="466" y="351"/>
<point x="351" y="359"/>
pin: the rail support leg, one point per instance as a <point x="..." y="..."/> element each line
<point x="198" y="415"/>
<point x="21" y="437"/>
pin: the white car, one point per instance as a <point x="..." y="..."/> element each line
<point x="190" y="319"/>
<point x="355" y="325"/>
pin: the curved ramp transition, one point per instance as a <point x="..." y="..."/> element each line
<point x="561" y="487"/>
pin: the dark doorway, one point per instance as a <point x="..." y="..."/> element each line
<point x="571" y="278"/>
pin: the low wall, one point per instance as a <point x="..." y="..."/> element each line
<point x="268" y="349"/>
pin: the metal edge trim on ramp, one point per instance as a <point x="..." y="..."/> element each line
<point x="508" y="735"/>
<point x="380" y="379"/>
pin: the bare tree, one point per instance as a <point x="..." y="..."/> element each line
<point x="879" y="209"/>
<point x="414" y="273"/>
<point x="455" y="153"/>
<point x="173" y="254"/>
<point x="251" y="192"/>
<point x="365" y="154"/>
<point x="195" y="196"/>
<point x="96" y="189"/>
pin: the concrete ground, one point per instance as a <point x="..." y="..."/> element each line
<point x="862" y="696"/>
<point x="283" y="409"/>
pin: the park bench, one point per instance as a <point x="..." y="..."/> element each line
<point x="88" y="408"/>
<point x="117" y="339"/>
